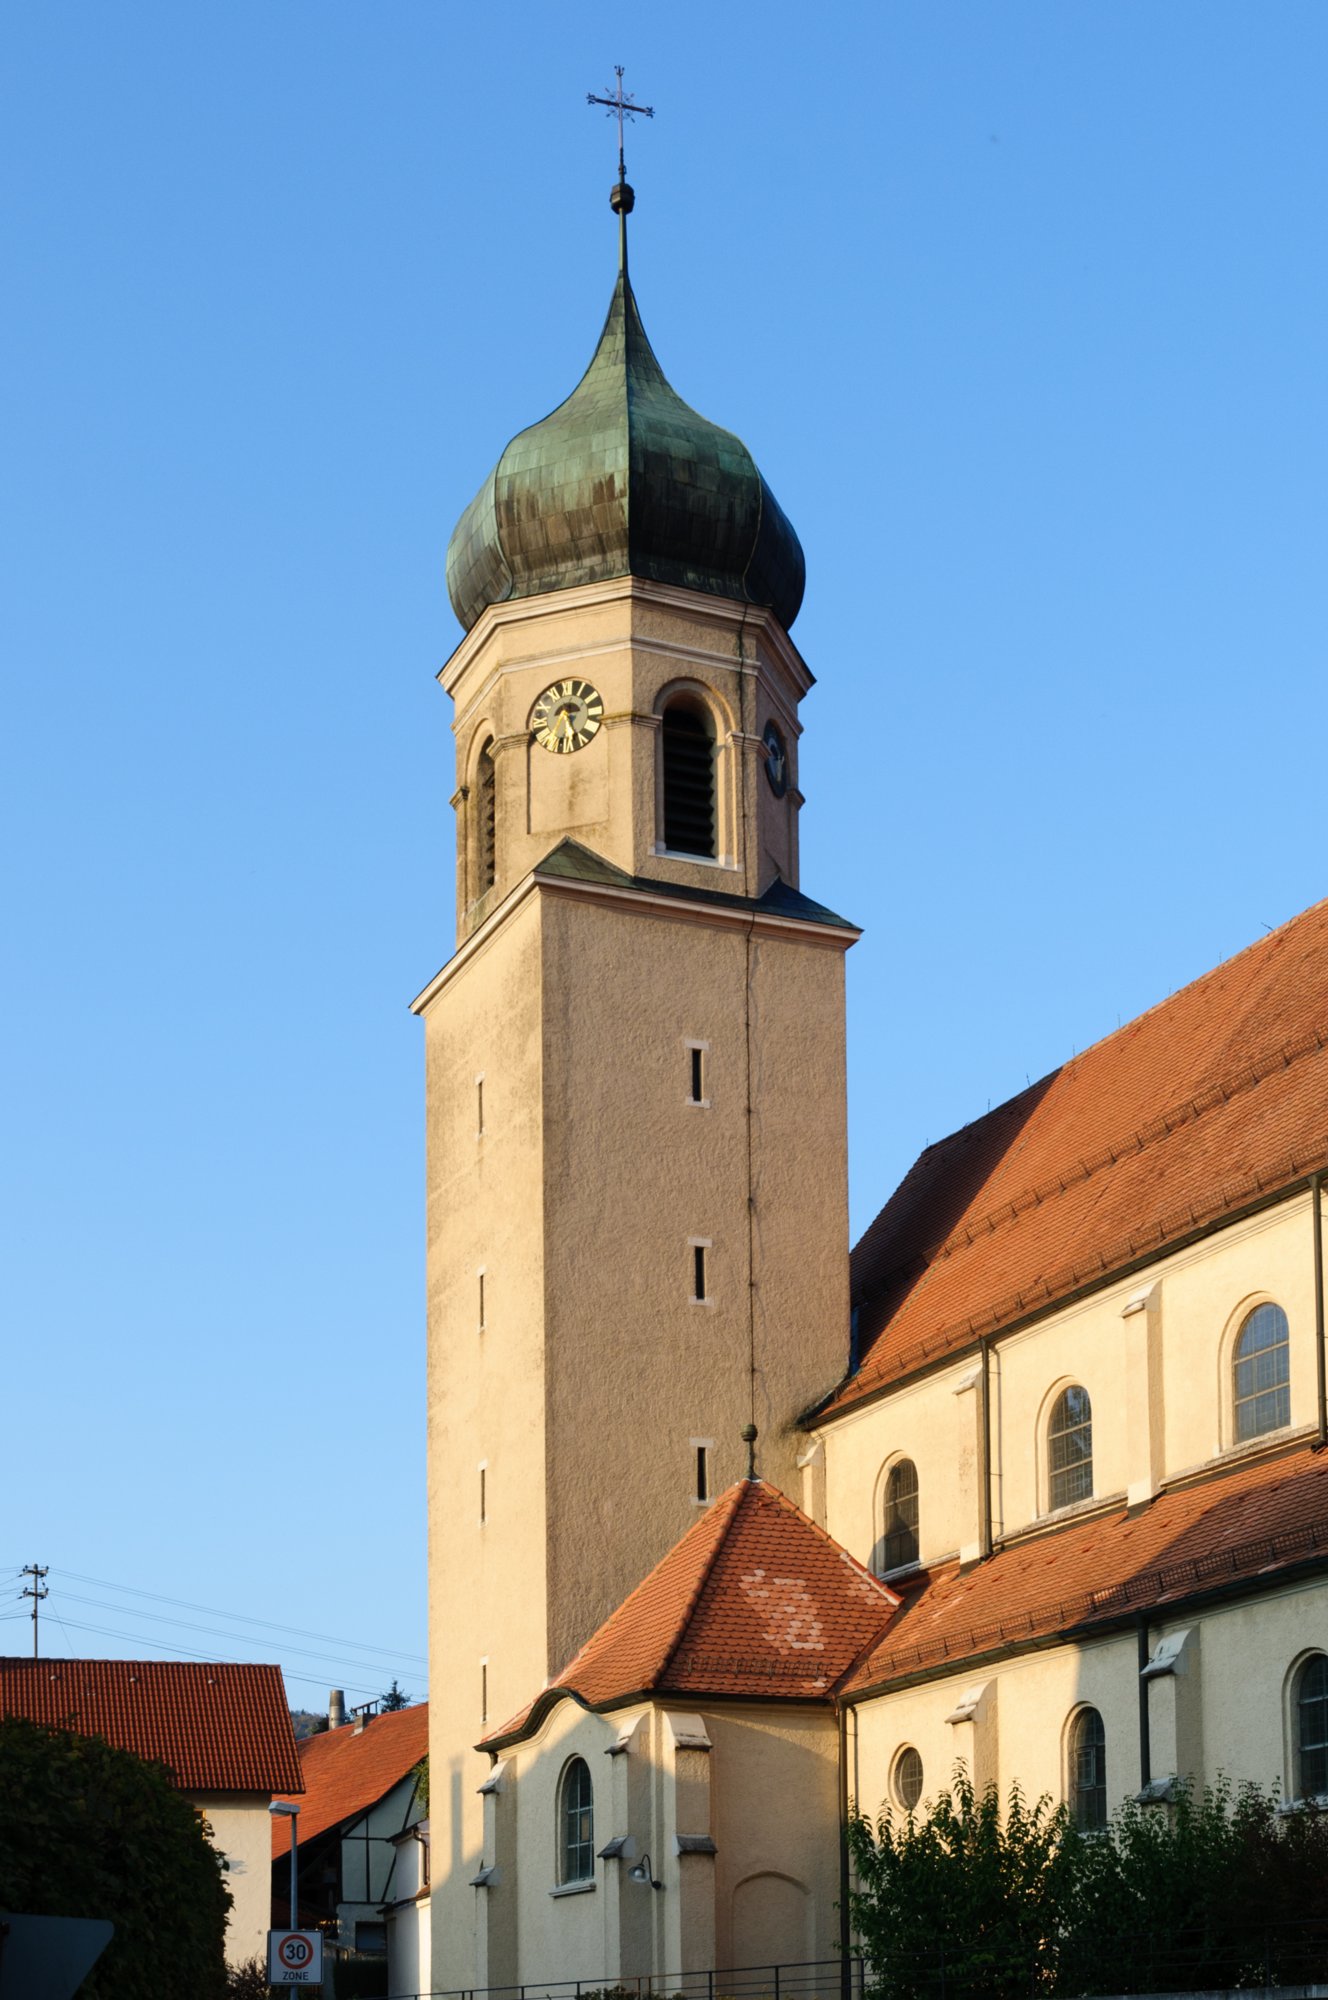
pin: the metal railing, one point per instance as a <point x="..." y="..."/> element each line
<point x="818" y="1979"/>
<point x="1237" y="1959"/>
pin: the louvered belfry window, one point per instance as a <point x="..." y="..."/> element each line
<point x="486" y="813"/>
<point x="689" y="781"/>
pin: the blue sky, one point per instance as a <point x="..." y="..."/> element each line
<point x="1021" y="307"/>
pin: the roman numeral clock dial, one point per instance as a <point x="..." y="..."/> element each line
<point x="566" y="716"/>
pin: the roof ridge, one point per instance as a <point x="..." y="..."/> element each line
<point x="1201" y="978"/>
<point x="1058" y="1284"/>
<point x="1072" y="1062"/>
<point x="1209" y="1096"/>
<point x="738" y="1491"/>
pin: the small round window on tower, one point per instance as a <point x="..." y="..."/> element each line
<point x="908" y="1778"/>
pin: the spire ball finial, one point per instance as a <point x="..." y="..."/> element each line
<point x="622" y="198"/>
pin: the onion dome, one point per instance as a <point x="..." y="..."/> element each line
<point x="623" y="479"/>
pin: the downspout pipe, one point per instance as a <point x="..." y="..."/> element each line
<point x="1145" y="1743"/>
<point x="1321" y="1364"/>
<point x="845" y="1929"/>
<point x="984" y="1488"/>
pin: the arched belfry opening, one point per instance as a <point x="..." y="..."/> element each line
<point x="689" y="778"/>
<point x="486" y="820"/>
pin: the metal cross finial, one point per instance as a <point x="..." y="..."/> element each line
<point x="620" y="106"/>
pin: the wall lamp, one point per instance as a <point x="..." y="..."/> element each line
<point x="641" y="1873"/>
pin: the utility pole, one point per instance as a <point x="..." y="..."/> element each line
<point x="36" y="1590"/>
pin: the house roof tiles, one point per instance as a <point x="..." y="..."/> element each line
<point x="217" y="1728"/>
<point x="1208" y="1103"/>
<point x="754" y="1601"/>
<point x="347" y="1770"/>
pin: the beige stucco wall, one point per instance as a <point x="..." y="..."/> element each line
<point x="764" y="1791"/>
<point x="634" y="1175"/>
<point x="242" y="1832"/>
<point x="1226" y="1711"/>
<point x="1160" y="1379"/>
<point x="485" y="1387"/>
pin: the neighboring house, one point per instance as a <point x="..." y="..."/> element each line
<point x="223" y="1732"/>
<point x="360" y="1793"/>
<point x="408" y="1941"/>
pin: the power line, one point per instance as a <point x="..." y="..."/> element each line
<point x="211" y="1659"/>
<point x="188" y="1625"/>
<point x="239" y="1617"/>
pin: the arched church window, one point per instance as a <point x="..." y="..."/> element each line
<point x="1262" y="1373"/>
<point x="900" y="1526"/>
<point x="1088" y="1770"/>
<point x="1070" y="1448"/>
<point x="576" y="1824"/>
<point x="1310" y="1728"/>
<point x="486" y="820"/>
<point x="689" y="779"/>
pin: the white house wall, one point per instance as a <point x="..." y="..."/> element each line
<point x="242" y="1832"/>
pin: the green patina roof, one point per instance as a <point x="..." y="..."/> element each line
<point x="623" y="479"/>
<point x="569" y="861"/>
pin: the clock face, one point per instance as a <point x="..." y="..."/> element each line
<point x="566" y="716"/>
<point x="776" y="761"/>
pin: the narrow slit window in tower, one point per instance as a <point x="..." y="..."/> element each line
<point x="689" y="781"/>
<point x="703" y="1472"/>
<point x="481" y="1279"/>
<point x="484" y="1494"/>
<point x="484" y="1690"/>
<point x="698" y="1074"/>
<point x="479" y="1107"/>
<point x="698" y="1271"/>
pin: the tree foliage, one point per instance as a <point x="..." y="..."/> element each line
<point x="394" y="1699"/>
<point x="959" y="1893"/>
<point x="1219" y="1888"/>
<point x="90" y="1831"/>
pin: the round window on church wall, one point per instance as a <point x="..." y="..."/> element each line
<point x="908" y="1778"/>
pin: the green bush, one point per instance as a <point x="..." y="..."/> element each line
<point x="90" y="1831"/>
<point x="959" y="1896"/>
<point x="1217" y="1889"/>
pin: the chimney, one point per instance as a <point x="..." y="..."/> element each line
<point x="336" y="1708"/>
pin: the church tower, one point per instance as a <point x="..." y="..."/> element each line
<point x="636" y="1148"/>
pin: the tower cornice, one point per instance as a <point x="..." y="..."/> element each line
<point x="713" y="909"/>
<point x="724" y="612"/>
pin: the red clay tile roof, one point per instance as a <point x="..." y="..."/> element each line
<point x="217" y="1728"/>
<point x="347" y="1770"/>
<point x="1211" y="1101"/>
<point x="755" y="1601"/>
<point x="1255" y="1519"/>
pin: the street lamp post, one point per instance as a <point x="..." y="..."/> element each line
<point x="281" y="1810"/>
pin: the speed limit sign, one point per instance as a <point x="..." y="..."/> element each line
<point x="294" y="1958"/>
